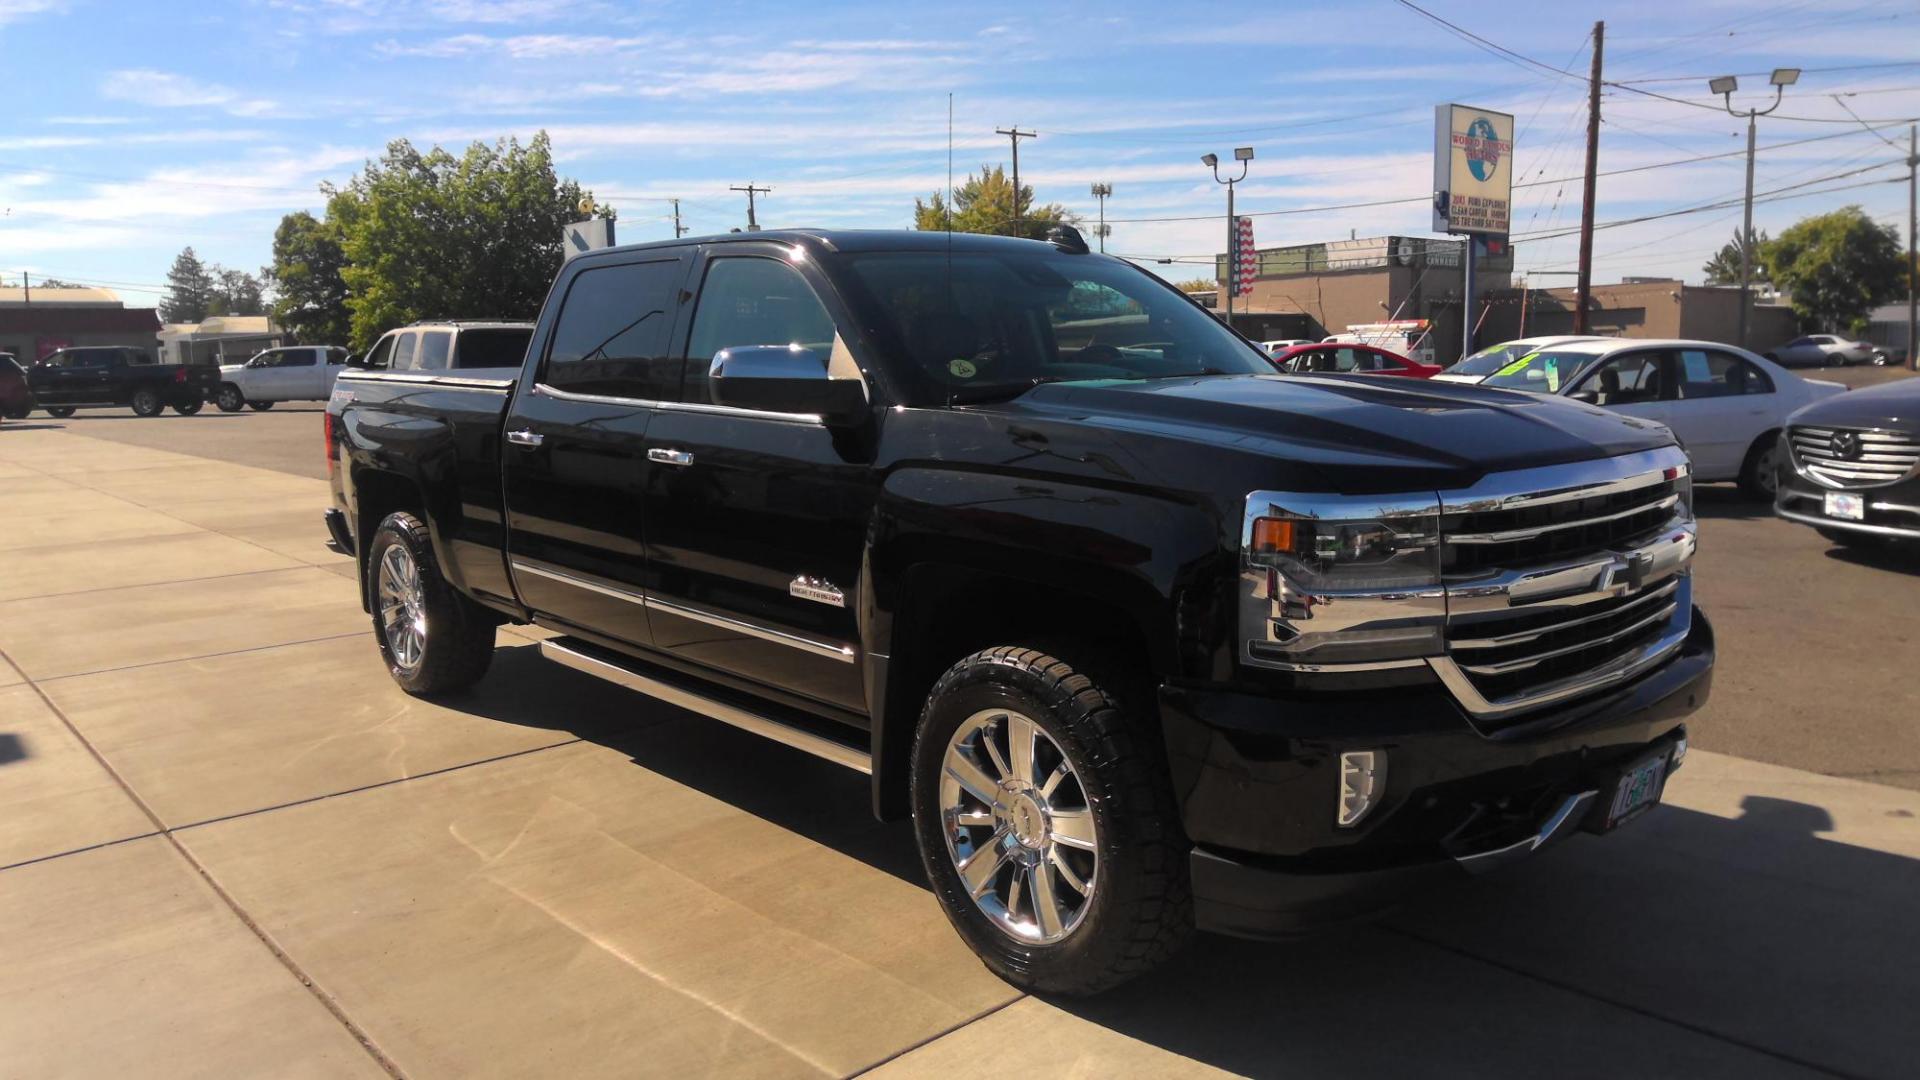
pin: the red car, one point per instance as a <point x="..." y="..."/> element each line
<point x="1339" y="357"/>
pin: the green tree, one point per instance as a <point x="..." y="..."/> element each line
<point x="189" y="289"/>
<point x="1199" y="284"/>
<point x="236" y="292"/>
<point x="1724" y="267"/>
<point x="985" y="204"/>
<point x="1837" y="266"/>
<point x="437" y="236"/>
<point x="310" y="296"/>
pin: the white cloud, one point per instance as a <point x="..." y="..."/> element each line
<point x="13" y="10"/>
<point x="88" y="121"/>
<point x="165" y="90"/>
<point x="518" y="47"/>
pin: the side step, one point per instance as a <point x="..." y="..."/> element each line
<point x="573" y="655"/>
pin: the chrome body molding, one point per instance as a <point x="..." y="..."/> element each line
<point x="1825" y="522"/>
<point x="1571" y="811"/>
<point x="846" y="654"/>
<point x="493" y="386"/>
<point x="1617" y="670"/>
<point x="1852" y="459"/>
<point x="677" y="406"/>
<point x="693" y="701"/>
<point x="1547" y="484"/>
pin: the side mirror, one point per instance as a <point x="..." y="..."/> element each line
<point x="1591" y="397"/>
<point x="785" y="379"/>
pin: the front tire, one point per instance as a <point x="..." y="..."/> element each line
<point x="188" y="408"/>
<point x="60" y="412"/>
<point x="259" y="406"/>
<point x="147" y="402"/>
<point x="1046" y="824"/>
<point x="229" y="398"/>
<point x="433" y="639"/>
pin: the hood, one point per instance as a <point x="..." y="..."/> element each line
<point x="1894" y="406"/>
<point x="1379" y="433"/>
<point x="229" y="369"/>
<point x="1465" y="380"/>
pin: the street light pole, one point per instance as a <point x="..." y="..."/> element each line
<point x="1725" y="85"/>
<point x="1100" y="192"/>
<point x="1244" y="155"/>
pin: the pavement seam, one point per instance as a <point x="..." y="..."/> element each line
<point x="205" y="656"/>
<point x="325" y="999"/>
<point x="1627" y="1006"/>
<point x="938" y="1035"/>
<point x="147" y="584"/>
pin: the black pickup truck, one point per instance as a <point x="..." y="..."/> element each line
<point x="116" y="375"/>
<point x="1140" y="634"/>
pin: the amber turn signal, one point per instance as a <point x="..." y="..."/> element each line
<point x="1272" y="535"/>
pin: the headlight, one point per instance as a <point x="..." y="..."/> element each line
<point x="1341" y="580"/>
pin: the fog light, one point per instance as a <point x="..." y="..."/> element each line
<point x="1679" y="753"/>
<point x="1363" y="774"/>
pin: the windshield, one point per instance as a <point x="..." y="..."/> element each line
<point x="1493" y="358"/>
<point x="983" y="327"/>
<point x="1545" y="371"/>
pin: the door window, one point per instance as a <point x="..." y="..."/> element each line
<point x="296" y="358"/>
<point x="403" y="352"/>
<point x="750" y="301"/>
<point x="380" y="356"/>
<point x="434" y="347"/>
<point x="1368" y="360"/>
<point x="611" y="336"/>
<point x="1632" y="379"/>
<point x="1707" y="373"/>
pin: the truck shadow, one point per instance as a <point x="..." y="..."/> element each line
<point x="1728" y="502"/>
<point x="1903" y="559"/>
<point x="1687" y="944"/>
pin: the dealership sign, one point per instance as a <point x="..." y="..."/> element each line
<point x="1472" y="170"/>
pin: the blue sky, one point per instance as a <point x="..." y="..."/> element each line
<point x="147" y="127"/>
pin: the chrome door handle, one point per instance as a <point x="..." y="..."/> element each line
<point x="525" y="438"/>
<point x="670" y="457"/>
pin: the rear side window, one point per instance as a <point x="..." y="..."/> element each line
<point x="752" y="301"/>
<point x="492" y="347"/>
<point x="611" y="335"/>
<point x="1706" y="373"/>
<point x="434" y="347"/>
<point x="403" y="352"/>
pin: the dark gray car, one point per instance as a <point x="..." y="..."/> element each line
<point x="1852" y="466"/>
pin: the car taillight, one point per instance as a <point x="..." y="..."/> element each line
<point x="326" y="432"/>
<point x="180" y="374"/>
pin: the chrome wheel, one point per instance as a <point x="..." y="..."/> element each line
<point x="1767" y="479"/>
<point x="403" y="608"/>
<point x="1018" y="826"/>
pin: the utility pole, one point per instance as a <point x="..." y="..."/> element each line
<point x="679" y="230"/>
<point x="1101" y="192"/>
<point x="1913" y="227"/>
<point x="26" y="289"/>
<point x="1583" y="289"/>
<point x="1725" y="85"/>
<point x="753" y="224"/>
<point x="1014" y="133"/>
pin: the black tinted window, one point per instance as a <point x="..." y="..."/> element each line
<point x="611" y="337"/>
<point x="493" y="347"/>
<point x="296" y="358"/>
<point x="1627" y="380"/>
<point x="1706" y="373"/>
<point x="749" y="301"/>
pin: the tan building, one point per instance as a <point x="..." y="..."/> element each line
<point x="1639" y="309"/>
<point x="218" y="339"/>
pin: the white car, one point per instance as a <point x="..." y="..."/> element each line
<point x="1822" y="350"/>
<point x="445" y="345"/>
<point x="1725" y="405"/>
<point x="296" y="373"/>
<point x="1477" y="367"/>
<point x="1280" y="345"/>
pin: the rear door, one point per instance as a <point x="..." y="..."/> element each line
<point x="756" y="520"/>
<point x="575" y="460"/>
<point x="1723" y="404"/>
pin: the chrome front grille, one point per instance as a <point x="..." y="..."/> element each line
<point x="1563" y="581"/>
<point x="1854" y="457"/>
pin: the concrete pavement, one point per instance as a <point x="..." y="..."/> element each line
<point x="232" y="847"/>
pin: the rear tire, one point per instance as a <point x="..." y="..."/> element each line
<point x="229" y="398"/>
<point x="1758" y="478"/>
<point x="433" y="639"/>
<point x="1090" y="803"/>
<point x="147" y="402"/>
<point x="188" y="408"/>
<point x="259" y="406"/>
<point x="60" y="411"/>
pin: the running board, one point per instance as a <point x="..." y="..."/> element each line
<point x="694" y="701"/>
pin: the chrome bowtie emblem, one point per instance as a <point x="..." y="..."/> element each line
<point x="1845" y="445"/>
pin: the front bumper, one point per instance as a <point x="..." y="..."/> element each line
<point x="1257" y="778"/>
<point x="1892" y="510"/>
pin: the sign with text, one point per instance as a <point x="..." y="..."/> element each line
<point x="1472" y="170"/>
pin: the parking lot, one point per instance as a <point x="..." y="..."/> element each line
<point x="235" y="848"/>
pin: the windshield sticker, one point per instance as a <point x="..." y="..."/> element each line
<point x="1518" y="365"/>
<point x="962" y="369"/>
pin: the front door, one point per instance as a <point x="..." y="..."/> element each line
<point x="1723" y="404"/>
<point x="1637" y="383"/>
<point x="756" y="520"/>
<point x="575" y="453"/>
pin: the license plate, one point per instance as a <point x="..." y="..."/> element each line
<point x="1850" y="507"/>
<point x="1638" y="790"/>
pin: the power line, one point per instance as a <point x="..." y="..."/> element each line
<point x="1486" y="46"/>
<point x="1774" y="196"/>
<point x="1762" y="74"/>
